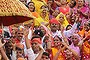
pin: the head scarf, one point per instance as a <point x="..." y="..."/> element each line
<point x="36" y="40"/>
<point x="77" y="36"/>
<point x="47" y="14"/>
<point x="53" y="20"/>
<point x="65" y="22"/>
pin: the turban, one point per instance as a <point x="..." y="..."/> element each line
<point x="36" y="40"/>
<point x="55" y="21"/>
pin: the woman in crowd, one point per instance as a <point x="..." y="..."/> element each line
<point x="62" y="19"/>
<point x="31" y="7"/>
<point x="64" y="33"/>
<point x="82" y="10"/>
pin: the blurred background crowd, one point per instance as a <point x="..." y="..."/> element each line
<point x="59" y="31"/>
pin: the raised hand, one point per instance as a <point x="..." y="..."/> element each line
<point x="1" y="44"/>
<point x="62" y="29"/>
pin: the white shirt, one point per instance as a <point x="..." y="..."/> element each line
<point x="31" y="55"/>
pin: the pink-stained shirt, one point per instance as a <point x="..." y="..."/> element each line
<point x="75" y="48"/>
<point x="84" y="10"/>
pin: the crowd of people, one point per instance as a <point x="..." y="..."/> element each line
<point x="59" y="31"/>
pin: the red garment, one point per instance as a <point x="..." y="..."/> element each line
<point x="36" y="40"/>
<point x="55" y="21"/>
<point x="64" y="10"/>
<point x="0" y="31"/>
<point x="17" y="41"/>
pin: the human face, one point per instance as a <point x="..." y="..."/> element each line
<point x="57" y="42"/>
<point x="44" y="12"/>
<point x="75" y="40"/>
<point x="61" y="18"/>
<point x="86" y="26"/>
<point x="54" y="27"/>
<point x="43" y="30"/>
<point x="44" y="57"/>
<point x="31" y="7"/>
<point x="13" y="31"/>
<point x="35" y="47"/>
<point x="80" y="3"/>
<point x="69" y="27"/>
<point x="19" y="53"/>
<point x="68" y="15"/>
<point x="20" y="35"/>
<point x="73" y="19"/>
<point x="63" y="2"/>
<point x="55" y="13"/>
<point x="72" y="2"/>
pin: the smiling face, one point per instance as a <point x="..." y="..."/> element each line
<point x="31" y="6"/>
<point x="57" y="41"/>
<point x="61" y="18"/>
<point x="19" y="35"/>
<point x="43" y="13"/>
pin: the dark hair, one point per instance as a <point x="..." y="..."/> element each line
<point x="67" y="27"/>
<point x="73" y="4"/>
<point x="46" y="54"/>
<point x="36" y="36"/>
<point x="39" y="32"/>
<point x="58" y="38"/>
<point x="29" y="3"/>
<point x="84" y="1"/>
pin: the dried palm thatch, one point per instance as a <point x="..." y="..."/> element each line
<point x="13" y="11"/>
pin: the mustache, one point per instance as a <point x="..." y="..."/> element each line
<point x="53" y="26"/>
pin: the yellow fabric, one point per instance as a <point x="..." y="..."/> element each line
<point x="65" y="22"/>
<point x="38" y="4"/>
<point x="39" y="21"/>
<point x="47" y="15"/>
<point x="68" y="0"/>
<point x="54" y="51"/>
